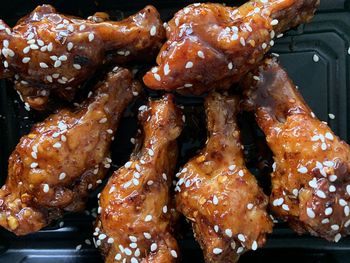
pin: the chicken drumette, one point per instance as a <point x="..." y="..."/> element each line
<point x="136" y="208"/>
<point x="218" y="194"/>
<point x="212" y="46"/>
<point x="48" y="52"/>
<point x="55" y="166"/>
<point x="311" y="173"/>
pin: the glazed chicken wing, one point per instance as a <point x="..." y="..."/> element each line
<point x="218" y="194"/>
<point x="213" y="46"/>
<point x="55" y="166"/>
<point x="136" y="218"/>
<point x="310" y="179"/>
<point x="48" y="52"/>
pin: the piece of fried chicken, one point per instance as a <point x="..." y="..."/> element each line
<point x="136" y="209"/>
<point x="310" y="178"/>
<point x="212" y="46"/>
<point x="218" y="194"/>
<point x="63" y="158"/>
<point x="51" y="53"/>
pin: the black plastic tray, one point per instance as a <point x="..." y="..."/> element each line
<point x="324" y="85"/>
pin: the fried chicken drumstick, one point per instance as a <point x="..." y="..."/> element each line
<point x="310" y="181"/>
<point x="55" y="166"/>
<point x="48" y="52"/>
<point x="213" y="46"/>
<point x="136" y="212"/>
<point x="218" y="194"/>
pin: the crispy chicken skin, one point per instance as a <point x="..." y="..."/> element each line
<point x="55" y="166"/>
<point x="136" y="209"/>
<point x="48" y="52"/>
<point x="218" y="194"/>
<point x="310" y="181"/>
<point x="213" y="46"/>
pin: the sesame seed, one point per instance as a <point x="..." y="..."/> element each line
<point x="348" y="189"/>
<point x="103" y="120"/>
<point x="313" y="183"/>
<point x="250" y="206"/>
<point x="153" y="31"/>
<point x="156" y="76"/>
<point x="230" y="66"/>
<point x="134" y="260"/>
<point x="173" y="253"/>
<point x="133" y="239"/>
<point x="128" y="164"/>
<point x="189" y="64"/>
<point x="137" y="252"/>
<point x="127" y="251"/>
<point x="91" y="37"/>
<point x="242" y="41"/>
<point x="324" y="146"/>
<point x="331" y="116"/>
<point x="333" y="178"/>
<point x="188" y="85"/>
<point x="78" y="247"/>
<point x="302" y="169"/>
<point x="256" y="78"/>
<point x="43" y="65"/>
<point x="278" y="202"/>
<point x="228" y="232"/>
<point x="150" y="152"/>
<point x="332" y="189"/>
<point x="133" y="245"/>
<point x="102" y="236"/>
<point x="320" y="194"/>
<point x="34" y="155"/>
<point x="166" y="69"/>
<point x="285" y="207"/>
<point x="46" y="188"/>
<point x="272" y="43"/>
<point x="315" y="58"/>
<point x="135" y="181"/>
<point x="200" y="54"/>
<point x="62" y="176"/>
<point x="49" y="47"/>
<point x="25" y="60"/>
<point x="217" y="251"/>
<point x="232" y="167"/>
<point x="150" y="182"/>
<point x="241" y="173"/>
<point x="254" y="245"/>
<point x="34" y="46"/>
<point x="241" y="237"/>
<point x="58" y="63"/>
<point x="34" y="165"/>
<point x="99" y="181"/>
<point x="177" y="21"/>
<point x="215" y="200"/>
<point x="70" y="46"/>
<point x="329" y="136"/>
<point x="325" y="221"/>
<point x="164" y="176"/>
<point x="280" y="35"/>
<point x="337" y="237"/>
<point x="216" y="228"/>
<point x="118" y="257"/>
<point x="328" y="211"/>
<point x="264" y="45"/>
<point x="342" y="202"/>
<point x="240" y="250"/>
<point x="57" y="145"/>
<point x="26" y="50"/>
<point x="347" y="223"/>
<point x="274" y="22"/>
<point x="147" y="235"/>
<point x="148" y="218"/>
<point x="346" y="210"/>
<point x="310" y="213"/>
<point x="154" y="247"/>
<point x="165" y="209"/>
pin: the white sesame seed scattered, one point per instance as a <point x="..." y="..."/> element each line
<point x="147" y="235"/>
<point x="250" y="206"/>
<point x="254" y="245"/>
<point x="154" y="247"/>
<point x="342" y="202"/>
<point x="333" y="178"/>
<point x="78" y="247"/>
<point x="25" y="60"/>
<point x="216" y="228"/>
<point x="346" y="210"/>
<point x="217" y="251"/>
<point x="274" y="22"/>
<point x="173" y="253"/>
<point x="127" y="251"/>
<point x="135" y="181"/>
<point x="324" y="146"/>
<point x="46" y="188"/>
<point x="347" y="223"/>
<point x="150" y="152"/>
<point x="313" y="183"/>
<point x="62" y="176"/>
<point x="156" y="76"/>
<point x="133" y="245"/>
<point x="328" y="211"/>
<point x="102" y="236"/>
<point x="332" y="189"/>
<point x="264" y="45"/>
<point x="99" y="181"/>
<point x="228" y="232"/>
<point x="148" y="218"/>
<point x="240" y="250"/>
<point x="134" y="260"/>
<point x="316" y="58"/>
<point x="128" y="164"/>
<point x="285" y="207"/>
<point x="150" y="182"/>
<point x="34" y="46"/>
<point x="337" y="237"/>
<point x="57" y="145"/>
<point x="302" y="169"/>
<point x="325" y="221"/>
<point x="200" y="54"/>
<point x="153" y="31"/>
<point x="232" y="167"/>
<point x="34" y="155"/>
<point x="230" y="66"/>
<point x="256" y="78"/>
<point x="166" y="69"/>
<point x="188" y="85"/>
<point x="320" y="194"/>
<point x="164" y="176"/>
<point x="103" y="120"/>
<point x="241" y="173"/>
<point x="242" y="41"/>
<point x="331" y="116"/>
<point x="241" y="237"/>
<point x="118" y="257"/>
<point x="91" y="37"/>
<point x="278" y="202"/>
<point x="57" y="64"/>
<point x="189" y="64"/>
<point x="349" y="50"/>
<point x="34" y="165"/>
<point x="165" y="209"/>
<point x="43" y="65"/>
<point x="310" y="213"/>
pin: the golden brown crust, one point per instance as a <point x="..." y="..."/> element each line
<point x="50" y="52"/>
<point x="218" y="194"/>
<point x="310" y="181"/>
<point x="212" y="46"/>
<point x="56" y="165"/>
<point x="136" y="211"/>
